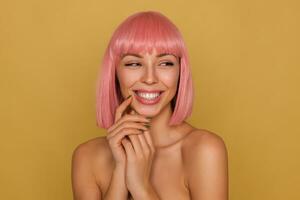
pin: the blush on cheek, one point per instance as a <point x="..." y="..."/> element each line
<point x="169" y="79"/>
<point x="127" y="79"/>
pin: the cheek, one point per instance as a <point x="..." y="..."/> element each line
<point x="127" y="78"/>
<point x="170" y="79"/>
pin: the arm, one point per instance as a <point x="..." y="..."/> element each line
<point x="116" y="189"/>
<point x="207" y="169"/>
<point x="84" y="185"/>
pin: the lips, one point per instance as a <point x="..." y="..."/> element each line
<point x="148" y="97"/>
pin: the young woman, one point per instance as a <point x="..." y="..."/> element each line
<point x="144" y="95"/>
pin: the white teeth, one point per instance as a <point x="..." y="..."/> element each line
<point x="148" y="95"/>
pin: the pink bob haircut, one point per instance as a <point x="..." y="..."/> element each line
<point x="142" y="32"/>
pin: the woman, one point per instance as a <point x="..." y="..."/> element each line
<point x="144" y="94"/>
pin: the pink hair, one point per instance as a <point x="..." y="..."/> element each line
<point x="141" y="32"/>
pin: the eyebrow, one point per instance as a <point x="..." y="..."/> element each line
<point x="139" y="56"/>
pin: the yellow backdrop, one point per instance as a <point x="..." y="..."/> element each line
<point x="245" y="65"/>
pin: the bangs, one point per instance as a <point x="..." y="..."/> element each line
<point x="145" y="33"/>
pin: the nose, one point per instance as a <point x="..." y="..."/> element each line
<point x="150" y="75"/>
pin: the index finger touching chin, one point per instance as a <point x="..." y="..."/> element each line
<point x="122" y="107"/>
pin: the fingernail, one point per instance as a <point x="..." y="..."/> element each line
<point x="128" y="97"/>
<point x="147" y="125"/>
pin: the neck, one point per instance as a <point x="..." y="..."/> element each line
<point x="160" y="130"/>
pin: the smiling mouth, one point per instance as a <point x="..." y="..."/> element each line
<point x="148" y="97"/>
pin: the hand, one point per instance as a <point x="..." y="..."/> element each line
<point x="139" y="153"/>
<point x="123" y="126"/>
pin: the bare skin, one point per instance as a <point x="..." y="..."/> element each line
<point x="188" y="163"/>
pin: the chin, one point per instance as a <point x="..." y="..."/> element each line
<point x="148" y="112"/>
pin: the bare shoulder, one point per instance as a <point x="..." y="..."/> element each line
<point x="92" y="149"/>
<point x="201" y="141"/>
<point x="206" y="165"/>
<point x="88" y="159"/>
<point x="95" y="151"/>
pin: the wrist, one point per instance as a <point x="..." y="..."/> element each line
<point x="117" y="188"/>
<point x="147" y="193"/>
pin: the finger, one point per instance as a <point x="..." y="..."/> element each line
<point x="122" y="107"/>
<point x="128" y="148"/>
<point x="123" y="133"/>
<point x="149" y="140"/>
<point x="117" y="139"/>
<point x="136" y="145"/>
<point x="145" y="146"/>
<point x="128" y="117"/>
<point x="135" y="125"/>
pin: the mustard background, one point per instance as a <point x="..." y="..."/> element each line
<point x="245" y="65"/>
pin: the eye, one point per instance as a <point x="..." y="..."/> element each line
<point x="132" y="64"/>
<point x="167" y="63"/>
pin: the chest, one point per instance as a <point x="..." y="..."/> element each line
<point x="167" y="177"/>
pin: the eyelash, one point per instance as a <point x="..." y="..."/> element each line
<point x="168" y="63"/>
